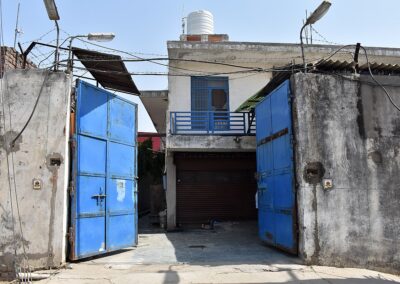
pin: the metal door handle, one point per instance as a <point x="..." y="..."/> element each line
<point x="99" y="195"/>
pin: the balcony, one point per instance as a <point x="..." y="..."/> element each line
<point x="212" y="123"/>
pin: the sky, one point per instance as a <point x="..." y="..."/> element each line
<point x="143" y="27"/>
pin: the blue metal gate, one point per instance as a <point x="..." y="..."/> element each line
<point x="104" y="195"/>
<point x="276" y="191"/>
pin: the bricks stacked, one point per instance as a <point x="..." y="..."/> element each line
<point x="11" y="59"/>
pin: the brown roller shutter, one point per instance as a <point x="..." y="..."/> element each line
<point x="215" y="186"/>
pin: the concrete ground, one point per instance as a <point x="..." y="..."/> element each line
<point x="231" y="253"/>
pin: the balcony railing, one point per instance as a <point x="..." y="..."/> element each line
<point x="212" y="123"/>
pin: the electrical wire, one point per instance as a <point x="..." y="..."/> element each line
<point x="4" y="127"/>
<point x="15" y="182"/>
<point x="152" y="60"/>
<point x="379" y="84"/>
<point x="286" y="69"/>
<point x="237" y="59"/>
<point x="34" y="56"/>
<point x="242" y="77"/>
<point x="138" y="57"/>
<point x="156" y="73"/>
<point x="12" y="144"/>
<point x="39" y="38"/>
<point x="100" y="59"/>
<point x="249" y="69"/>
<point x="69" y="36"/>
<point x="339" y="49"/>
<point x="17" y="267"/>
<point x="40" y="52"/>
<point x="51" y="53"/>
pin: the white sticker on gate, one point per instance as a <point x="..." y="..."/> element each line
<point x="121" y="189"/>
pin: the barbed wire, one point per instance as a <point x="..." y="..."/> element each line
<point x="39" y="38"/>
<point x="323" y="39"/>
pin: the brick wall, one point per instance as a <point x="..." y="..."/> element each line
<point x="11" y="59"/>
<point x="205" y="38"/>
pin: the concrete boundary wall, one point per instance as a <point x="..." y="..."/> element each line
<point x="40" y="158"/>
<point x="347" y="131"/>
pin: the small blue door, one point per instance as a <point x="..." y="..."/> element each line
<point x="104" y="199"/>
<point x="276" y="191"/>
<point x="210" y="103"/>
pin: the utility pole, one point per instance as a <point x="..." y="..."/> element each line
<point x="17" y="31"/>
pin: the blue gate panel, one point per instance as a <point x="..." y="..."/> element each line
<point x="266" y="194"/>
<point x="283" y="195"/>
<point x="90" y="236"/>
<point x="122" y="121"/>
<point x="121" y="231"/>
<point x="267" y="234"/>
<point x="265" y="165"/>
<point x="92" y="118"/>
<point x="281" y="156"/>
<point x="121" y="160"/>
<point x="276" y="193"/>
<point x="121" y="195"/>
<point x="103" y="205"/>
<point x="264" y="109"/>
<point x="280" y="111"/>
<point x="92" y="155"/>
<point x="89" y="186"/>
<point x="283" y="230"/>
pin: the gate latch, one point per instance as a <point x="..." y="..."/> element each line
<point x="99" y="196"/>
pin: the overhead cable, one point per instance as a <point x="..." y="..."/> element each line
<point x="33" y="110"/>
<point x="378" y="83"/>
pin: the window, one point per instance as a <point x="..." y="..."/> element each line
<point x="210" y="94"/>
<point x="219" y="99"/>
<point x="210" y="102"/>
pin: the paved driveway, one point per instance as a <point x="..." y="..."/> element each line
<point x="231" y="253"/>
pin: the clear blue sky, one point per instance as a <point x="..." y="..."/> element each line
<point x="145" y="26"/>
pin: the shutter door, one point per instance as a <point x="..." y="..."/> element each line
<point x="215" y="186"/>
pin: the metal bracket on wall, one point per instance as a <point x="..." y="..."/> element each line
<point x="71" y="190"/>
<point x="273" y="136"/>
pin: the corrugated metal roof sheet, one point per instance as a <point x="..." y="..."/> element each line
<point x="272" y="84"/>
<point x="337" y="65"/>
<point x="108" y="69"/>
<point x="321" y="65"/>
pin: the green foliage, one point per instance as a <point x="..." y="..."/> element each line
<point x="149" y="162"/>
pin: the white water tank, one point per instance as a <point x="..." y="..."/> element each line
<point x="200" y="23"/>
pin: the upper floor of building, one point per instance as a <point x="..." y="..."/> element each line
<point x="208" y="81"/>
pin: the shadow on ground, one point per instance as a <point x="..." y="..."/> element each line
<point x="228" y="243"/>
<point x="230" y="253"/>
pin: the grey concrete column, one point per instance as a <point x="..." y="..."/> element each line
<point x="171" y="191"/>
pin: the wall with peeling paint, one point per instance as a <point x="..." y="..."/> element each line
<point x="349" y="127"/>
<point x="41" y="155"/>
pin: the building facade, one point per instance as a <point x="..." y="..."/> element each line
<point x="208" y="82"/>
<point x="327" y="168"/>
<point x="205" y="137"/>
